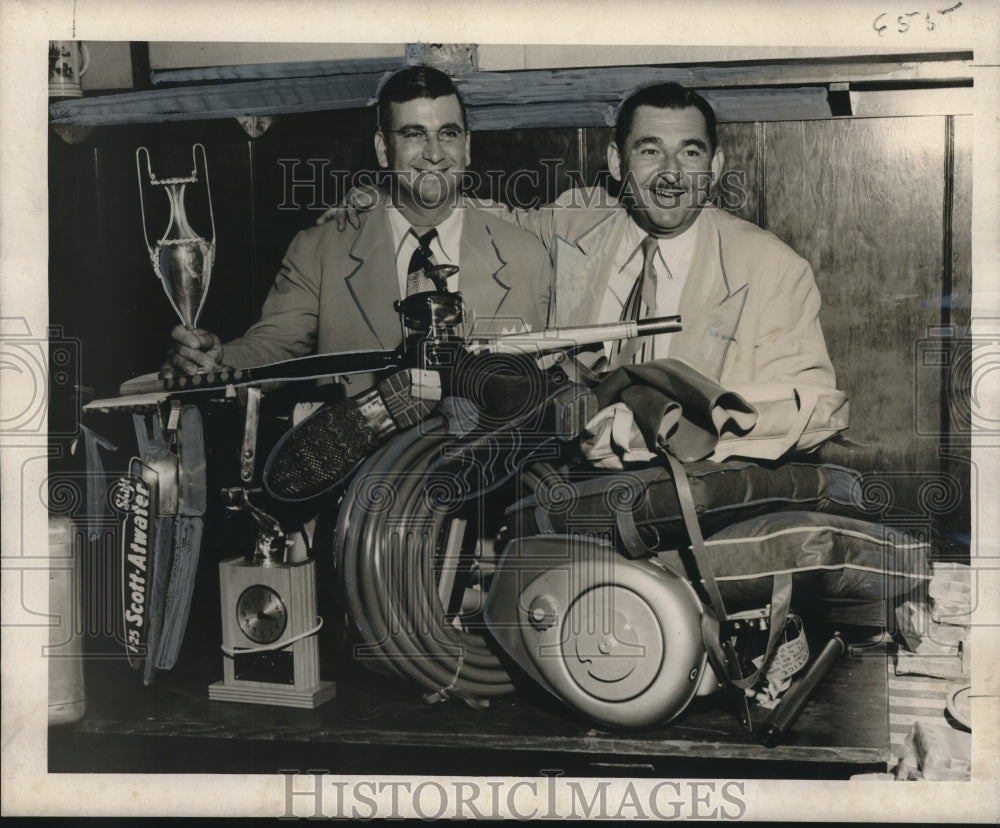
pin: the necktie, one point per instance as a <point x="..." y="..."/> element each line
<point x="416" y="281"/>
<point x="643" y="293"/>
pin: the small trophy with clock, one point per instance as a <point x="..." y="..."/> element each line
<point x="269" y="624"/>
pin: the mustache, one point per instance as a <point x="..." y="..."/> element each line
<point x="668" y="180"/>
<point x="666" y="189"/>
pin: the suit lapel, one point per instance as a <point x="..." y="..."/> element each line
<point x="373" y="283"/>
<point x="711" y="303"/>
<point x="582" y="269"/>
<point x="482" y="280"/>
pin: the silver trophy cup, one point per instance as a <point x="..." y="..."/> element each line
<point x="182" y="259"/>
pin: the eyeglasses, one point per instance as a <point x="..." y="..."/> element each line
<point x="419" y="135"/>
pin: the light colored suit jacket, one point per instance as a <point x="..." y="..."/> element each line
<point x="335" y="290"/>
<point x="749" y="310"/>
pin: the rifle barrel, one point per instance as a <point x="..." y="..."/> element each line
<point x="553" y="339"/>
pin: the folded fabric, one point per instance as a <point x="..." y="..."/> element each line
<point x="790" y="416"/>
<point x="612" y="440"/>
<point x="673" y="405"/>
<point x="668" y="404"/>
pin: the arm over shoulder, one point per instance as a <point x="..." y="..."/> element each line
<point x="583" y="205"/>
<point x="528" y="274"/>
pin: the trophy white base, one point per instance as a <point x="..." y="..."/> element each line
<point x="288" y="676"/>
<point x="255" y="693"/>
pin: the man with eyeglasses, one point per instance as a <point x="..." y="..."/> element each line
<point x="335" y="290"/>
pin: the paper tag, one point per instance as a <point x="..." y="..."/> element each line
<point x="791" y="655"/>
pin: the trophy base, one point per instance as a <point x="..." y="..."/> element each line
<point x="253" y="693"/>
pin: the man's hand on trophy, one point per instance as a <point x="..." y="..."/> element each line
<point x="191" y="352"/>
<point x="358" y="200"/>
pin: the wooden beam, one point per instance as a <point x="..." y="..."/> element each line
<point x="194" y="103"/>
<point x="139" y="54"/>
<point x="460" y="58"/>
<point x="554" y="98"/>
<point x="613" y="82"/>
<point x="730" y="105"/>
<point x="275" y="71"/>
<point x="912" y="102"/>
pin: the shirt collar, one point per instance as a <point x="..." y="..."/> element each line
<point x="631" y="244"/>
<point x="449" y="236"/>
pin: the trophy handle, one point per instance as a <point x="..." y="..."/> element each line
<point x="142" y="151"/>
<point x="182" y="259"/>
<point x="208" y="187"/>
<point x="142" y="203"/>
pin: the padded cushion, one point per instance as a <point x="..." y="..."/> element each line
<point x="639" y="511"/>
<point x="836" y="558"/>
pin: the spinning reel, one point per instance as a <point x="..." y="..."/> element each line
<point x="433" y="321"/>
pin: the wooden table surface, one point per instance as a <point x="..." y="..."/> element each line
<point x="376" y="725"/>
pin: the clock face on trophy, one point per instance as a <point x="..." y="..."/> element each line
<point x="269" y="626"/>
<point x="261" y="614"/>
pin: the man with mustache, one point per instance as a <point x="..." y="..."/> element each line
<point x="748" y="302"/>
<point x="335" y="290"/>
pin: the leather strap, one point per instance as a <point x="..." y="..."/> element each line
<point x="721" y="654"/>
<point x="634" y="545"/>
<point x="690" y="515"/>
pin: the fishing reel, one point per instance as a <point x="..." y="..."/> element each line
<point x="433" y="321"/>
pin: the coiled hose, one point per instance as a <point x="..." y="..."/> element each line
<point x="393" y="520"/>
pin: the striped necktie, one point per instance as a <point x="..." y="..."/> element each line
<point x="643" y="293"/>
<point x="416" y="281"/>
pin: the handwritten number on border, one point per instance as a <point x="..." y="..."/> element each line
<point x="903" y="24"/>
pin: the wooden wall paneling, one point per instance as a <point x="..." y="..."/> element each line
<point x="300" y="166"/>
<point x="524" y="167"/>
<point x="961" y="223"/>
<point x="230" y="302"/>
<point x="595" y="157"/>
<point x="862" y="201"/>
<point x="957" y="468"/>
<point x="739" y="189"/>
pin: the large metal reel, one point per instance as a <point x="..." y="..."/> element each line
<point x="411" y="549"/>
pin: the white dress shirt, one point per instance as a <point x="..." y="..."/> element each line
<point x="444" y="247"/>
<point x="671" y="262"/>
